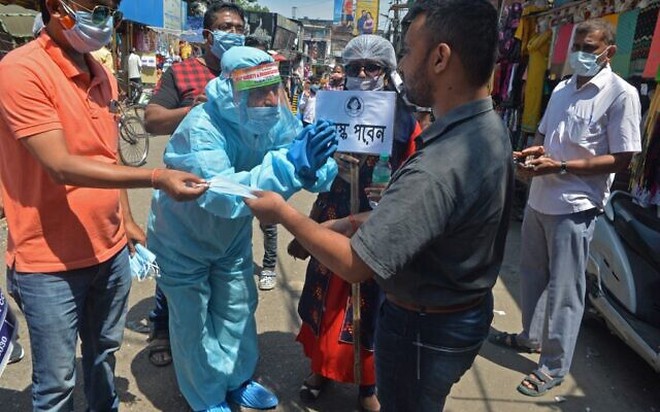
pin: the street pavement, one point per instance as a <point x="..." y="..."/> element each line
<point x="606" y="375"/>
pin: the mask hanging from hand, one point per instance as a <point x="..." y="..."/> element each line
<point x="85" y="36"/>
<point x="223" y="41"/>
<point x="143" y="263"/>
<point x="586" y="64"/>
<point x="367" y="84"/>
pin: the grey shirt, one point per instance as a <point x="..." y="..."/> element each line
<point x="437" y="236"/>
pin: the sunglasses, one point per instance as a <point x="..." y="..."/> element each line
<point x="370" y="69"/>
<point x="99" y="14"/>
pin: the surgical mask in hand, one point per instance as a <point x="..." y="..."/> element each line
<point x="260" y="120"/>
<point x="585" y="64"/>
<point x="225" y="186"/>
<point x="223" y="41"/>
<point x="143" y="264"/>
<point x="366" y="84"/>
<point x="85" y="36"/>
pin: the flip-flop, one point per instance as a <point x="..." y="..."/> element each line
<point x="310" y="393"/>
<point x="510" y="341"/>
<point x="541" y="382"/>
<point x="160" y="353"/>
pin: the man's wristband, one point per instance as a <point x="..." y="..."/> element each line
<point x="562" y="168"/>
<point x="154" y="177"/>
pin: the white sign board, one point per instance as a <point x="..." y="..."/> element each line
<point x="148" y="60"/>
<point x="172" y="15"/>
<point x="364" y="120"/>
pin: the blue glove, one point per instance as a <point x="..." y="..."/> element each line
<point x="312" y="148"/>
<point x="297" y="153"/>
<point x="322" y="144"/>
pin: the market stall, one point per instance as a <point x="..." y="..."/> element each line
<point x="535" y="41"/>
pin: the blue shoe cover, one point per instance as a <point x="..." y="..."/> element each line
<point x="253" y="395"/>
<point x="223" y="407"/>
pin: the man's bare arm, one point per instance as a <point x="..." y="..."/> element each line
<point x="159" y="120"/>
<point x="50" y="149"/>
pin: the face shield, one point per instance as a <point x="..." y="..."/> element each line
<point x="261" y="102"/>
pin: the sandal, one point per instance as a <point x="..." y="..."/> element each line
<point x="160" y="353"/>
<point x="510" y="341"/>
<point x="540" y="383"/>
<point x="309" y="392"/>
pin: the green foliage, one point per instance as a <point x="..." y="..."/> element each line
<point x="251" y="5"/>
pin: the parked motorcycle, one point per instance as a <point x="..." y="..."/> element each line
<point x="623" y="274"/>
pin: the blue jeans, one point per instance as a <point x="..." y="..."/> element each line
<point x="160" y="315"/>
<point x="270" y="246"/>
<point x="89" y="302"/>
<point x="420" y="356"/>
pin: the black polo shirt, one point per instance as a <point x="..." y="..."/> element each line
<point x="437" y="236"/>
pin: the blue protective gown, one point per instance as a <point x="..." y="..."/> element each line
<point x="204" y="247"/>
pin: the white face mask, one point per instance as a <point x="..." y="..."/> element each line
<point x="366" y="84"/>
<point x="586" y="64"/>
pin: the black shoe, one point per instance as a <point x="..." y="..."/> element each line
<point x="17" y="354"/>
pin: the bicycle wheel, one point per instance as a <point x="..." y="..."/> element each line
<point x="133" y="142"/>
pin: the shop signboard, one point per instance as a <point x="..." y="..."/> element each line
<point x="346" y="15"/>
<point x="172" y="18"/>
<point x="147" y="12"/>
<point x="337" y="13"/>
<point x="366" y="17"/>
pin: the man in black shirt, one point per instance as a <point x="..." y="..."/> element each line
<point x="435" y="242"/>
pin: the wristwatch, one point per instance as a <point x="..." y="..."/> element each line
<point x="562" y="168"/>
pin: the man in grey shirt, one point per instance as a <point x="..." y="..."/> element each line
<point x="436" y="241"/>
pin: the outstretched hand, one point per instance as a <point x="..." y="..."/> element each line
<point x="267" y="207"/>
<point x="179" y="185"/>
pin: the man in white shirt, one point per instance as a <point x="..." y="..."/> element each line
<point x="135" y="75"/>
<point x="590" y="130"/>
<point x="308" y="105"/>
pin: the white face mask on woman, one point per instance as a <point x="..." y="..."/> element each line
<point x="366" y="84"/>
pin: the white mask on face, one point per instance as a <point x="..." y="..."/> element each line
<point x="365" y="84"/>
<point x="586" y="64"/>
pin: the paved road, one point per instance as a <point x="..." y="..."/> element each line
<point x="606" y="375"/>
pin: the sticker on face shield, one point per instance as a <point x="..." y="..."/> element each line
<point x="254" y="77"/>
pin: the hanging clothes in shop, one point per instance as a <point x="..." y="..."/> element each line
<point x="527" y="27"/>
<point x="653" y="62"/>
<point x="560" y="50"/>
<point x="539" y="49"/>
<point x="612" y="19"/>
<point x="646" y="23"/>
<point x="625" y="35"/>
<point x="509" y="52"/>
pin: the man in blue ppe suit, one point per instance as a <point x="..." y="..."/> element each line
<point x="245" y="133"/>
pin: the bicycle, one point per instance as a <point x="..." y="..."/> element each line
<point x="133" y="138"/>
